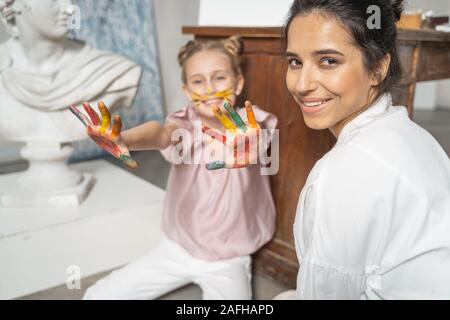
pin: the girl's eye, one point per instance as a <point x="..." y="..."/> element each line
<point x="329" y="62"/>
<point x="220" y="78"/>
<point x="294" y="63"/>
<point x="197" y="82"/>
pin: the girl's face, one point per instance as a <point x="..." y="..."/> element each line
<point x="326" y="73"/>
<point x="210" y="80"/>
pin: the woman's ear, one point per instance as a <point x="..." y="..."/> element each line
<point x="381" y="71"/>
<point x="240" y="84"/>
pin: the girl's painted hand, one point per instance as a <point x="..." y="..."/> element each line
<point x="109" y="139"/>
<point x="243" y="139"/>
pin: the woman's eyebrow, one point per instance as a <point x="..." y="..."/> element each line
<point x="326" y="51"/>
<point x="316" y="53"/>
<point x="290" y="54"/>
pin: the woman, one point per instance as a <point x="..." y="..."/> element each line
<point x="373" y="219"/>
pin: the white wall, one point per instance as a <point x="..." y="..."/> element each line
<point x="443" y="97"/>
<point x="243" y="13"/>
<point x="438" y="6"/>
<point x="171" y="16"/>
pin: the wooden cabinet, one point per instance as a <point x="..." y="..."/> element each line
<point x="264" y="68"/>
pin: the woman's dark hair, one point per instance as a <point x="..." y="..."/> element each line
<point x="375" y="43"/>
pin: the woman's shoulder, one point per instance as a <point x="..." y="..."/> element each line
<point x="397" y="144"/>
<point x="352" y="168"/>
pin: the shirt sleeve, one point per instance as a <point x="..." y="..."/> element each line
<point x="344" y="225"/>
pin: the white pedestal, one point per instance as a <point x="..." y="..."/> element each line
<point x="48" y="181"/>
<point x="118" y="222"/>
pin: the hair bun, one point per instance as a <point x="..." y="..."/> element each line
<point x="233" y="45"/>
<point x="397" y="7"/>
<point x="186" y="51"/>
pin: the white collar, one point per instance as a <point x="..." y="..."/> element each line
<point x="377" y="110"/>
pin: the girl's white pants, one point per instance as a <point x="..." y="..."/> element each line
<point x="168" y="266"/>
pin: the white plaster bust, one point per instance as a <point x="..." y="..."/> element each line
<point x="43" y="72"/>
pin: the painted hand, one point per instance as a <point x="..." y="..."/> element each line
<point x="99" y="130"/>
<point x="242" y="140"/>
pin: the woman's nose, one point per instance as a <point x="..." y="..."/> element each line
<point x="306" y="82"/>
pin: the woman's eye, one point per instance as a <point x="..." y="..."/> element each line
<point x="329" y="62"/>
<point x="294" y="63"/>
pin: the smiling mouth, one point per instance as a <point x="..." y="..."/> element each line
<point x="313" y="106"/>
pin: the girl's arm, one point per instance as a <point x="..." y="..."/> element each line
<point x="149" y="135"/>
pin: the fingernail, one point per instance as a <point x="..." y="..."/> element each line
<point x="215" y="165"/>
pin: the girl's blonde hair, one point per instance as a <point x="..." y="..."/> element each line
<point x="231" y="47"/>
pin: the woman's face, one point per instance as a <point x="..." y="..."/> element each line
<point x="48" y="18"/>
<point x="210" y="80"/>
<point x="326" y="73"/>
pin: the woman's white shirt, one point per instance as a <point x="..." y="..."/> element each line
<point x="373" y="219"/>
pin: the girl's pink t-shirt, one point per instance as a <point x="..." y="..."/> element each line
<point x="217" y="214"/>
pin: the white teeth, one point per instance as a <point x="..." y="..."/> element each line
<point x="314" y="104"/>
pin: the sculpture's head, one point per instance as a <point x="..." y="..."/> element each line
<point x="41" y="18"/>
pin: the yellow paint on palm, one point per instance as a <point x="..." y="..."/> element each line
<point x="106" y="117"/>
<point x="227" y="123"/>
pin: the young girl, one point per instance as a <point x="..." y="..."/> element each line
<point x="213" y="220"/>
<point x="373" y="218"/>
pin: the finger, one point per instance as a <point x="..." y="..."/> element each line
<point x="251" y="115"/>
<point x="129" y="162"/>
<point x="106" y="116"/>
<point x="84" y="120"/>
<point x="92" y="114"/>
<point x="215" y="135"/>
<point x="235" y="116"/>
<point x="215" y="165"/>
<point x="223" y="118"/>
<point x="117" y="126"/>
